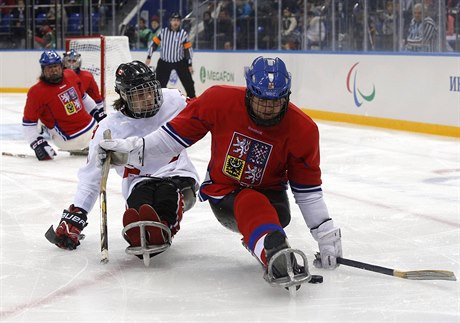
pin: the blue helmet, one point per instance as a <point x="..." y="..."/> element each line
<point x="267" y="79"/>
<point x="49" y="57"/>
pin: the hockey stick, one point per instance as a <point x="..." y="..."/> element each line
<point x="414" y="274"/>
<point x="80" y="152"/>
<point x="4" y="153"/>
<point x="103" y="203"/>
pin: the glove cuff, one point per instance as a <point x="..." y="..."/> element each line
<point x="75" y="216"/>
<point x="326" y="231"/>
<point x="74" y="209"/>
<point x="38" y="142"/>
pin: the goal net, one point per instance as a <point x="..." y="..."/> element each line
<point x="101" y="55"/>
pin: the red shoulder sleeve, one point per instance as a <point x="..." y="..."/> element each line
<point x="32" y="107"/>
<point x="199" y="116"/>
<point x="304" y="159"/>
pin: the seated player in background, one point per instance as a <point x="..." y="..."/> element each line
<point x="160" y="189"/>
<point x="72" y="60"/>
<point x="56" y="103"/>
<point x="261" y="142"/>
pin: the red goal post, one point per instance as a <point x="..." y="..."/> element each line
<point x="101" y="55"/>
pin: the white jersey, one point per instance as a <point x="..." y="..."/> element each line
<point x="121" y="126"/>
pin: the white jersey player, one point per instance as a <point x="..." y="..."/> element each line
<point x="160" y="189"/>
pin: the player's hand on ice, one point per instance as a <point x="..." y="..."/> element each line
<point x="68" y="231"/>
<point x="42" y="149"/>
<point x="98" y="113"/>
<point x="329" y="243"/>
<point x="123" y="151"/>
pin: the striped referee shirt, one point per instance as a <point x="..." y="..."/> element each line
<point x="174" y="46"/>
<point x="422" y="35"/>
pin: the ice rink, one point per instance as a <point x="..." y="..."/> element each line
<point x="395" y="195"/>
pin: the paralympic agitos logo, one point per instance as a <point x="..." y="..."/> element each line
<point x="352" y="87"/>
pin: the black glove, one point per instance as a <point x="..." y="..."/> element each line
<point x="68" y="231"/>
<point x="98" y="114"/>
<point x="42" y="149"/>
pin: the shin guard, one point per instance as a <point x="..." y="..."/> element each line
<point x="255" y="217"/>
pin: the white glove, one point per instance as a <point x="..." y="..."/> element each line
<point x="124" y="151"/>
<point x="329" y="243"/>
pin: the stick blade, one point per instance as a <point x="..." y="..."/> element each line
<point x="426" y="275"/>
<point x="50" y="235"/>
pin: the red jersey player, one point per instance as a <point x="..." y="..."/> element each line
<point x="261" y="142"/>
<point x="72" y="60"/>
<point x="56" y="101"/>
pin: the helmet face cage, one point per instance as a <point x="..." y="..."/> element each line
<point x="144" y="100"/>
<point x="261" y="111"/>
<point x="138" y="87"/>
<point x="268" y="89"/>
<point x="72" y="59"/>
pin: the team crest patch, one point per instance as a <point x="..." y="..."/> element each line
<point x="69" y="99"/>
<point x="246" y="159"/>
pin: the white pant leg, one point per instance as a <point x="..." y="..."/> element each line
<point x="78" y="143"/>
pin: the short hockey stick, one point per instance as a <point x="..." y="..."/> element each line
<point x="103" y="203"/>
<point x="4" y="153"/>
<point x="81" y="152"/>
<point x="414" y="274"/>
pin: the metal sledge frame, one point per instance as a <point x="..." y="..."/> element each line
<point x="145" y="250"/>
<point x="291" y="279"/>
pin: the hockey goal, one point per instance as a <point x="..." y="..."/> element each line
<point x="101" y="55"/>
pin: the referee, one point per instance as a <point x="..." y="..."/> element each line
<point x="175" y="54"/>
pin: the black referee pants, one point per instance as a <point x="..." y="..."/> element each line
<point x="164" y="72"/>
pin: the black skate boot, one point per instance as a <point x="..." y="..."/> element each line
<point x="283" y="269"/>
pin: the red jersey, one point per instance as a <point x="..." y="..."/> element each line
<point x="245" y="154"/>
<point x="89" y="85"/>
<point x="58" y="106"/>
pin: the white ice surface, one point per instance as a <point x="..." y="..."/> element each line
<point x="396" y="196"/>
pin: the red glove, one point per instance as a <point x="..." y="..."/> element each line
<point x="68" y="231"/>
